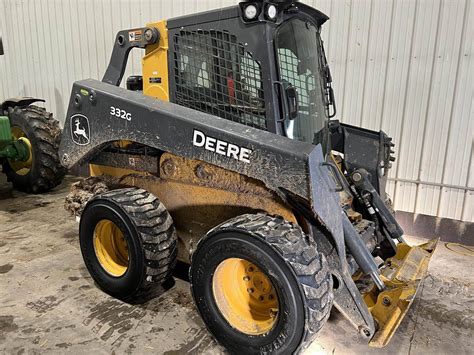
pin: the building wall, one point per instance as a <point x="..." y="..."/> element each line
<point x="403" y="66"/>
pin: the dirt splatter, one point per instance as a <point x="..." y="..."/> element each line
<point x="73" y="278"/>
<point x="82" y="191"/>
<point x="44" y="304"/>
<point x="7" y="325"/>
<point x="42" y="204"/>
<point x="200" y="341"/>
<point x="443" y="315"/>
<point x="63" y="345"/>
<point x="5" y="268"/>
<point x="28" y="330"/>
<point x="184" y="299"/>
<point x="156" y="330"/>
<point x="112" y="318"/>
<point x="2" y="243"/>
<point x="449" y="286"/>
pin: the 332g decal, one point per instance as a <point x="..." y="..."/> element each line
<point x="117" y="112"/>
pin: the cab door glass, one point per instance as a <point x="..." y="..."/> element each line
<point x="297" y="51"/>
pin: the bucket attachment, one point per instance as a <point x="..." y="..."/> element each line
<point x="402" y="275"/>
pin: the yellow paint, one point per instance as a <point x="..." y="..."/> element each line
<point x="402" y="275"/>
<point x="155" y="65"/>
<point x="245" y="296"/>
<point x="111" y="248"/>
<point x="122" y="144"/>
<point x="21" y="167"/>
<point x="99" y="170"/>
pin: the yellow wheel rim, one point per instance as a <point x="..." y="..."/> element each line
<point x="245" y="296"/>
<point x="21" y="167"/>
<point x="111" y="248"/>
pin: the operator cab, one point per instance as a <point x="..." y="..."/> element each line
<point x="282" y="86"/>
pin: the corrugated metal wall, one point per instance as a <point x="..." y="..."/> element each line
<point x="404" y="66"/>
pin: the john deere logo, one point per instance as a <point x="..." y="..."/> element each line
<point x="80" y="131"/>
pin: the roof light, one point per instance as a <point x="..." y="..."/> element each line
<point x="250" y="12"/>
<point x="271" y="12"/>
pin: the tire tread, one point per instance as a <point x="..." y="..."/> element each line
<point x="48" y="171"/>
<point x="156" y="232"/>
<point x="301" y="254"/>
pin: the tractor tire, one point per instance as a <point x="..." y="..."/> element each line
<point x="128" y="243"/>
<point x="259" y="258"/>
<point x="43" y="171"/>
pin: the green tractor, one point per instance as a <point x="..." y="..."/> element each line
<point x="29" y="142"/>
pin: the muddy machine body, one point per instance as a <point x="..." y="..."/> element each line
<point x="223" y="154"/>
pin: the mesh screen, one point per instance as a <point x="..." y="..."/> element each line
<point x="214" y="74"/>
<point x="304" y="82"/>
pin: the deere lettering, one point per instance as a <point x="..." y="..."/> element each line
<point x="221" y="147"/>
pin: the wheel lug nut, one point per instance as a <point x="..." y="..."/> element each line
<point x="261" y="298"/>
<point x="251" y="269"/>
<point x="270" y="297"/>
<point x="250" y="290"/>
<point x="246" y="278"/>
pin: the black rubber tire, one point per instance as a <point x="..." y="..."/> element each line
<point x="297" y="270"/>
<point x="151" y="237"/>
<point x="44" y="134"/>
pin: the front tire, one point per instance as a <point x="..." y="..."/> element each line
<point x="128" y="243"/>
<point x="275" y="261"/>
<point x="43" y="170"/>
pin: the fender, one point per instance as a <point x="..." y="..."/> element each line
<point x="21" y="102"/>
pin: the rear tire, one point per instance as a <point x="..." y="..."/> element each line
<point x="44" y="171"/>
<point x="288" y="258"/>
<point x="128" y="242"/>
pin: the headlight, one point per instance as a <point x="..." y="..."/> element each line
<point x="250" y="12"/>
<point x="271" y="12"/>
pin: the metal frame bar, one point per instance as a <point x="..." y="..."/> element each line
<point x="437" y="184"/>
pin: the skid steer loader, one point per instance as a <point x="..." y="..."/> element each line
<point x="227" y="159"/>
<point x="29" y="143"/>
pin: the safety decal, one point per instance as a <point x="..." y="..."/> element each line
<point x="135" y="36"/>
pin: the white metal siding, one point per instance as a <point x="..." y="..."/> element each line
<point x="405" y="67"/>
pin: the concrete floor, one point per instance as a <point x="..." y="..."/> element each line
<point x="48" y="302"/>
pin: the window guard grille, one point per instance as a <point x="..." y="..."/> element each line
<point x="214" y="74"/>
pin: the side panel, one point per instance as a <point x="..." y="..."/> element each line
<point x="199" y="196"/>
<point x="100" y="113"/>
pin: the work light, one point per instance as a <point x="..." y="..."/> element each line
<point x="250" y="12"/>
<point x="271" y="12"/>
